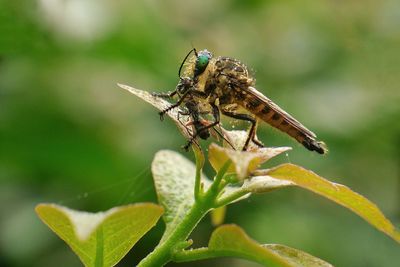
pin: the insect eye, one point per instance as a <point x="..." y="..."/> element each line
<point x="202" y="61"/>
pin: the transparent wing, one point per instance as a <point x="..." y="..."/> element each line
<point x="275" y="108"/>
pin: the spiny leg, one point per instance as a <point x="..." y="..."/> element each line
<point x="253" y="138"/>
<point x="221" y="135"/>
<point x="184" y="113"/>
<point x="196" y="122"/>
<point x="165" y="95"/>
<point x="188" y="92"/>
<point x="177" y="104"/>
<point x="215" y="113"/>
<point x="245" y="117"/>
<point x="184" y="84"/>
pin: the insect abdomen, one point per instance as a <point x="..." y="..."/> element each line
<point x="284" y="123"/>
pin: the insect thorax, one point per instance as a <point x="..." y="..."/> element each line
<point x="228" y="76"/>
<point x="223" y="78"/>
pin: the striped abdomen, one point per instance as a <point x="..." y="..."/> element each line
<point x="272" y="114"/>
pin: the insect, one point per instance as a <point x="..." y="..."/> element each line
<point x="192" y="108"/>
<point x="214" y="85"/>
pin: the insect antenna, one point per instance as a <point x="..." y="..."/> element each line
<point x="184" y="60"/>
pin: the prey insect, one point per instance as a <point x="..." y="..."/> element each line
<point x="223" y="85"/>
<point x="200" y="126"/>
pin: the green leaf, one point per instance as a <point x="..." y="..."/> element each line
<point x="236" y="140"/>
<point x="243" y="162"/>
<point x="296" y="257"/>
<point x="253" y="185"/>
<point x="263" y="184"/>
<point x="232" y="241"/>
<point x="103" y="238"/>
<point x="338" y="193"/>
<point x="174" y="178"/>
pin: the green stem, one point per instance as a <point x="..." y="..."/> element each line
<point x="215" y="186"/>
<point x="230" y="198"/>
<point x="199" y="166"/>
<point x="206" y="253"/>
<point x="164" y="252"/>
<point x="193" y="254"/>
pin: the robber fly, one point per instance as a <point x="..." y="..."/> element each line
<point x="193" y="109"/>
<point x="191" y="106"/>
<point x="226" y="87"/>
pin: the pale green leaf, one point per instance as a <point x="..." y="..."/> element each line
<point x="336" y="192"/>
<point x="263" y="184"/>
<point x="232" y="241"/>
<point x="253" y="185"/>
<point x="237" y="139"/>
<point x="296" y="257"/>
<point x="174" y="178"/>
<point x="243" y="162"/>
<point x="103" y="238"/>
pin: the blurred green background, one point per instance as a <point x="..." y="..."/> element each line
<point x="69" y="135"/>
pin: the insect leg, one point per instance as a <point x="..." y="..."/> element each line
<point x="221" y="135"/>
<point x="215" y="113"/>
<point x="165" y="95"/>
<point x="177" y="104"/>
<point x="197" y="123"/>
<point x="181" y="99"/>
<point x="253" y="137"/>
<point x="253" y="128"/>
<point x="184" y="85"/>
<point x="184" y="113"/>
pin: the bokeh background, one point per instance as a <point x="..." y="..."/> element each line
<point x="69" y="135"/>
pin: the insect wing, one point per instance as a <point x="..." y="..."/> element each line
<point x="265" y="101"/>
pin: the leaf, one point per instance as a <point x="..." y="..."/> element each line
<point x="103" y="238"/>
<point x="263" y="184"/>
<point x="237" y="139"/>
<point x="253" y="185"/>
<point x="243" y="162"/>
<point x="231" y="138"/>
<point x="232" y="241"/>
<point x="296" y="257"/>
<point x="338" y="193"/>
<point x="162" y="104"/>
<point x="174" y="178"/>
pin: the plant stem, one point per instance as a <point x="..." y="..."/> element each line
<point x="162" y="254"/>
<point x="165" y="250"/>
<point x="199" y="166"/>
<point x="230" y="198"/>
<point x="192" y="255"/>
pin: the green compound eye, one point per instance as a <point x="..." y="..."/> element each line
<point x="202" y="61"/>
